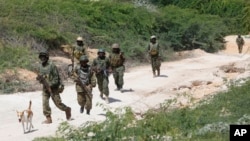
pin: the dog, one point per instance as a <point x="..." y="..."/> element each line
<point x="26" y="117"/>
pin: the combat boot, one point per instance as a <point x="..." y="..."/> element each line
<point x="88" y="112"/>
<point x="158" y="72"/>
<point x="68" y="113"/>
<point x="81" y="109"/>
<point x="48" y="120"/>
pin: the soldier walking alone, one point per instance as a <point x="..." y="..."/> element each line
<point x="240" y="43"/>
<point x="154" y="53"/>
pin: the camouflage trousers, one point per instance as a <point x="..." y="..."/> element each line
<point x="84" y="100"/>
<point x="102" y="82"/>
<point x="55" y="98"/>
<point x="118" y="74"/>
<point x="155" y="63"/>
<point x="240" y="47"/>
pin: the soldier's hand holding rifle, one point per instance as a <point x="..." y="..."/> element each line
<point x="43" y="81"/>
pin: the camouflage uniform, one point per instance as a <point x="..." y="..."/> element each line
<point x="117" y="65"/>
<point x="154" y="53"/>
<point x="240" y="42"/>
<point x="79" y="49"/>
<point x="50" y="72"/>
<point x="87" y="77"/>
<point x="101" y="65"/>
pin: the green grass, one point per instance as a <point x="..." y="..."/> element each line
<point x="209" y="120"/>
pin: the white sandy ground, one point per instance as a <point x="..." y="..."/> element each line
<point x="148" y="92"/>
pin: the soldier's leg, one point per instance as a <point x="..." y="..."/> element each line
<point x="158" y="65"/>
<point x="81" y="101"/>
<point x="120" y="76"/>
<point x="46" y="108"/>
<point x="105" y="88"/>
<point x="153" y="63"/>
<point x="99" y="83"/>
<point x="58" y="102"/>
<point x="88" y="105"/>
<point x="240" y="49"/>
<point x="115" y="75"/>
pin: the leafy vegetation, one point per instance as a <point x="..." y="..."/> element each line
<point x="56" y="22"/>
<point x="234" y="13"/>
<point x="207" y="120"/>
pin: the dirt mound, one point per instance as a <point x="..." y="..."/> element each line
<point x="190" y="53"/>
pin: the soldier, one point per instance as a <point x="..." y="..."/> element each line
<point x="117" y="65"/>
<point x="240" y="43"/>
<point x="79" y="49"/>
<point x="101" y="66"/>
<point x="48" y="73"/>
<point x="85" y="81"/>
<point x="154" y="53"/>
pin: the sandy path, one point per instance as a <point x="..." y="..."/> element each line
<point x="148" y="92"/>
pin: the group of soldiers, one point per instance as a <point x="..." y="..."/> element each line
<point x="86" y="75"/>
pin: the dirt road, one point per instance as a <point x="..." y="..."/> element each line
<point x="199" y="75"/>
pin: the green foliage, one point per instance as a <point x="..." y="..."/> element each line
<point x="15" y="57"/>
<point x="102" y="23"/>
<point x="185" y="29"/>
<point x="233" y="12"/>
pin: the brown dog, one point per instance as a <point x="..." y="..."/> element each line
<point x="26" y="117"/>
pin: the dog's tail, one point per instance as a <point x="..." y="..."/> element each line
<point x="30" y="105"/>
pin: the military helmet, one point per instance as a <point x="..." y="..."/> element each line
<point x="101" y="50"/>
<point x="84" y="58"/>
<point x="79" y="39"/>
<point x="43" y="53"/>
<point x="153" y="37"/>
<point x="115" y="45"/>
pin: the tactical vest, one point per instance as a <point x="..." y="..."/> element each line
<point x="84" y="74"/>
<point x="78" y="52"/>
<point x="153" y="49"/>
<point x="46" y="73"/>
<point x="101" y="65"/>
<point x="116" y="60"/>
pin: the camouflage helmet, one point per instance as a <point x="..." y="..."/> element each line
<point x="43" y="53"/>
<point x="79" y="39"/>
<point x="115" y="45"/>
<point x="101" y="50"/>
<point x="84" y="58"/>
<point x="153" y="37"/>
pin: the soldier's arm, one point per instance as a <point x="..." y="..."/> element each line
<point x="159" y="49"/>
<point x="54" y="76"/>
<point x="93" y="79"/>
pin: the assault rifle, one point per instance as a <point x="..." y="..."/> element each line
<point x="101" y="70"/>
<point x="83" y="86"/>
<point x="43" y="81"/>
